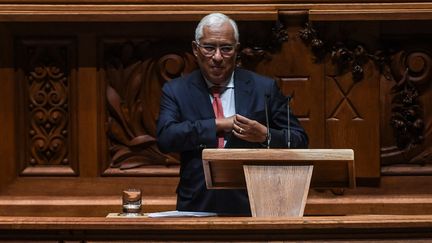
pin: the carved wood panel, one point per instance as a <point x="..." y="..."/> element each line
<point x="134" y="73"/>
<point x="351" y="91"/>
<point x="352" y="118"/>
<point x="132" y="70"/>
<point x="407" y="119"/>
<point x="403" y="66"/>
<point x="46" y="112"/>
<point x="292" y="65"/>
<point x="336" y="110"/>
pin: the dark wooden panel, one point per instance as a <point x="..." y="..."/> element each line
<point x="46" y="85"/>
<point x="406" y="147"/>
<point x="300" y="77"/>
<point x="352" y="118"/>
<point x="7" y="111"/>
<point x="336" y="110"/>
<point x="134" y="71"/>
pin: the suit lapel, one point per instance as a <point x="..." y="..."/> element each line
<point x="243" y="87"/>
<point x="200" y="96"/>
<point x="242" y="91"/>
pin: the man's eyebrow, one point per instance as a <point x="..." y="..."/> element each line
<point x="215" y="44"/>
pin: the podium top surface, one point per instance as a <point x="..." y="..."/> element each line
<point x="279" y="154"/>
<point x="332" y="168"/>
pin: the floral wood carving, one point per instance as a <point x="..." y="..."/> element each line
<point x="310" y="36"/>
<point x="348" y="57"/>
<point x="258" y="47"/>
<point x="411" y="72"/>
<point x="410" y="69"/>
<point x="134" y="79"/>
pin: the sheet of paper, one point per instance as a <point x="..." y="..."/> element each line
<point x="180" y="214"/>
<point x="122" y="215"/>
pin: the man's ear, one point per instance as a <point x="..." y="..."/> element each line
<point x="194" y="48"/>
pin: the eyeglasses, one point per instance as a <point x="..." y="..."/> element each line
<point x="210" y="50"/>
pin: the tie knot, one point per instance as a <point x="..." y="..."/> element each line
<point x="217" y="90"/>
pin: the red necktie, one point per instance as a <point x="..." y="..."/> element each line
<point x="218" y="110"/>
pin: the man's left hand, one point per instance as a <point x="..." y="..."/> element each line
<point x="249" y="130"/>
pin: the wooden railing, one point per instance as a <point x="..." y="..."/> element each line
<point x="327" y="228"/>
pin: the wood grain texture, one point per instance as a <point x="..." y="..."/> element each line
<point x="352" y="117"/>
<point x="332" y="167"/>
<point x="299" y="155"/>
<point x="404" y="195"/>
<point x="366" y="227"/>
<point x="277" y="191"/>
<point x="196" y="224"/>
<point x="129" y="13"/>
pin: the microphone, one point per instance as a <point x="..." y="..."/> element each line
<point x="268" y="137"/>
<point x="289" y="121"/>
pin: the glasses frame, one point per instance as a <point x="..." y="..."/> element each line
<point x="207" y="53"/>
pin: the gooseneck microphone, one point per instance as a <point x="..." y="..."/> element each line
<point x="268" y="137"/>
<point x="289" y="122"/>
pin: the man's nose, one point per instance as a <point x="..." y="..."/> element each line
<point x="218" y="55"/>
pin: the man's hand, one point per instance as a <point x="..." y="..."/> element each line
<point x="224" y="124"/>
<point x="249" y="130"/>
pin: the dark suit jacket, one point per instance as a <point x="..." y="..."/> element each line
<point x="187" y="125"/>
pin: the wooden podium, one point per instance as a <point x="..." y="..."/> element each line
<point x="278" y="180"/>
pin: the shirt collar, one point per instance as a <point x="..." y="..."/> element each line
<point x="229" y="84"/>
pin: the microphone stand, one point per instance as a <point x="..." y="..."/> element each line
<point x="289" y="122"/>
<point x="268" y="138"/>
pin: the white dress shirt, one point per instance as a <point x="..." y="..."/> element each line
<point x="227" y="97"/>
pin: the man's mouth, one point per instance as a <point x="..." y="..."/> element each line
<point x="217" y="68"/>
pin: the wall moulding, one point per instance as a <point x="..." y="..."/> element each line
<point x="189" y="10"/>
<point x="242" y="2"/>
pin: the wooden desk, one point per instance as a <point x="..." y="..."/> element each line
<point x="372" y="227"/>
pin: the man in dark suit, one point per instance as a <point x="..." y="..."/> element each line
<point x="231" y="115"/>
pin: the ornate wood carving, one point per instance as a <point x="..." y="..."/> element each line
<point x="135" y="71"/>
<point x="134" y="74"/>
<point x="351" y="115"/>
<point x="348" y="56"/>
<point x="409" y="69"/>
<point x="411" y="72"/>
<point x="260" y="45"/>
<point x="46" y="85"/>
<point x="310" y="36"/>
<point x="343" y="106"/>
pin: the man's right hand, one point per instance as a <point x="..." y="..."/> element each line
<point x="224" y="124"/>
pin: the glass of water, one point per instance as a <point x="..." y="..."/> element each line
<point x="131" y="201"/>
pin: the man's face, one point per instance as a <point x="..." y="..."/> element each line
<point x="216" y="53"/>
